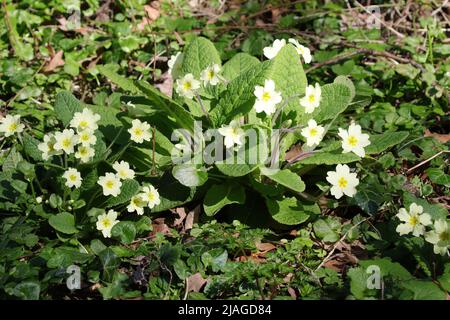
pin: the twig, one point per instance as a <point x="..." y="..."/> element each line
<point x="337" y="242"/>
<point x="347" y="55"/>
<point x="381" y="21"/>
<point x="427" y="160"/>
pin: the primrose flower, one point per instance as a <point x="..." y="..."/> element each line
<point x="414" y="221"/>
<point x="151" y="196"/>
<point x="85" y="120"/>
<point x="342" y="181"/>
<point x="353" y="140"/>
<point x="313" y="133"/>
<point x="210" y="75"/>
<point x="10" y="125"/>
<point x="312" y="98"/>
<point x="87" y="138"/>
<point x="106" y="221"/>
<point x="137" y="204"/>
<point x="187" y="85"/>
<point x="266" y="97"/>
<point x="84" y="153"/>
<point x="110" y="184"/>
<point x="47" y="147"/>
<point x="302" y="50"/>
<point x="65" y="141"/>
<point x="123" y="170"/>
<point x="140" y="131"/>
<point x="233" y="134"/>
<point x="174" y="63"/>
<point x="272" y="51"/>
<point x="440" y="237"/>
<point x="73" y="178"/>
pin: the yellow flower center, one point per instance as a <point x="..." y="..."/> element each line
<point x="136" y="202"/>
<point x="106" y="223"/>
<point x="12" y="127"/>
<point x="187" y="85"/>
<point x="342" y="183"/>
<point x="83" y="151"/>
<point x="66" y="142"/>
<point x="353" y="141"/>
<point x="73" y="177"/>
<point x="444" y="236"/>
<point x="313" y="132"/>
<point x="150" y="196"/>
<point x="266" y="96"/>
<point x="122" y="173"/>
<point x="311" y="98"/>
<point x="413" y="220"/>
<point x="138" y="132"/>
<point x="83" y="124"/>
<point x="211" y="74"/>
<point x="84" y="137"/>
<point x="109" y="184"/>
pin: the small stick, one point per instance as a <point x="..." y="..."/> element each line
<point x="427" y="160"/>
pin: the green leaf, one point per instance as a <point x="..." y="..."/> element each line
<point x="198" y="55"/>
<point x="425" y="290"/>
<point x="63" y="222"/>
<point x="189" y="175"/>
<point x="288" y="75"/>
<point x="291" y="211"/>
<point x="125" y="230"/>
<point x="358" y="282"/>
<point x="167" y="105"/>
<point x="129" y="188"/>
<point x="109" y="72"/>
<point x="12" y="160"/>
<point x="110" y="262"/>
<point x="28" y="290"/>
<point x="238" y="99"/>
<point x="335" y="99"/>
<point x="65" y="106"/>
<point x="327" y="229"/>
<point x="444" y="280"/>
<point x="388" y="268"/>
<point x="328" y="158"/>
<point x="286" y="178"/>
<point x="438" y="176"/>
<point x="240" y="63"/>
<point x="30" y="146"/>
<point x="235" y="170"/>
<point x="220" y="195"/>
<point x="381" y="142"/>
<point x="406" y="70"/>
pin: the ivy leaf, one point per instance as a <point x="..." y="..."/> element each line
<point x="327" y="229"/>
<point x="125" y="230"/>
<point x="63" y="222"/>
<point x="291" y="211"/>
<point x="220" y="195"/>
<point x="438" y="176"/>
